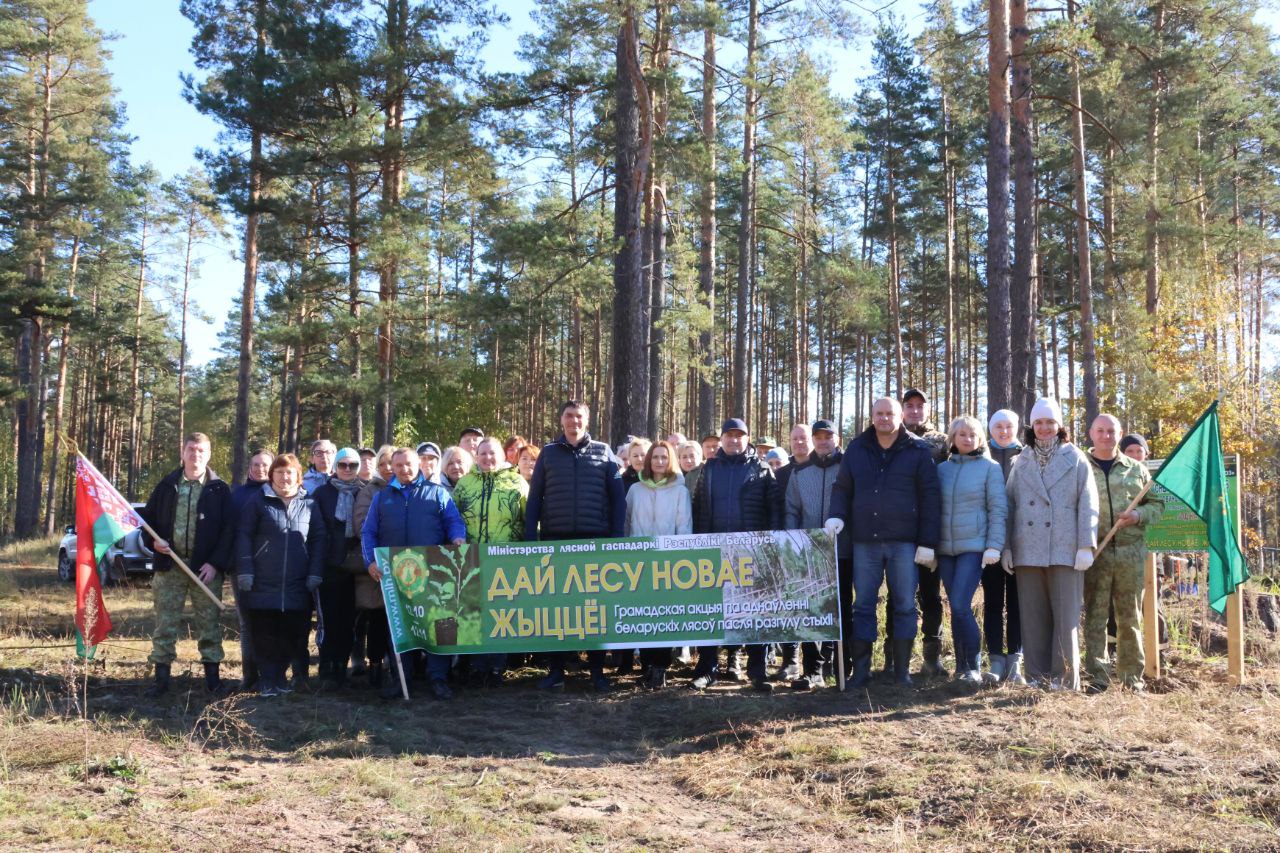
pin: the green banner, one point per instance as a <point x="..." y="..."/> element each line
<point x="1179" y="528"/>
<point x="697" y="590"/>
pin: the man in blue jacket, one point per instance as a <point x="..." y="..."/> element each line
<point x="575" y="492"/>
<point x="887" y="492"/>
<point x="735" y="494"/>
<point x="412" y="511"/>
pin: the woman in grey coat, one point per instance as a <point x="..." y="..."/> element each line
<point x="1053" y="529"/>
<point x="974" y="507"/>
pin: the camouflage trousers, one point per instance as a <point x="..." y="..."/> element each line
<point x="1115" y="580"/>
<point x="169" y="592"/>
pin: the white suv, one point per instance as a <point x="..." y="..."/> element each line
<point x="126" y="557"/>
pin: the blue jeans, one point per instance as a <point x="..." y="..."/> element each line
<point x="960" y="576"/>
<point x="874" y="563"/>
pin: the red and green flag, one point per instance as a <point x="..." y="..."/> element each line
<point x="1195" y="473"/>
<point x="103" y="517"/>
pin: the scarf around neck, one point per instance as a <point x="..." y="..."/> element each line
<point x="346" y="502"/>
<point x="1044" y="450"/>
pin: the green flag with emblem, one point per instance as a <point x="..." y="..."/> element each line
<point x="1194" y="472"/>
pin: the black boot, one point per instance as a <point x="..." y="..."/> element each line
<point x="860" y="651"/>
<point x="161" y="684"/>
<point x="212" y="680"/>
<point x="248" y="677"/>
<point x="887" y="672"/>
<point x="932" y="666"/>
<point x="902" y="661"/>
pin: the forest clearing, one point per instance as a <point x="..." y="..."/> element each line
<point x="1192" y="764"/>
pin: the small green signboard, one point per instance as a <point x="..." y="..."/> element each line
<point x="1180" y="529"/>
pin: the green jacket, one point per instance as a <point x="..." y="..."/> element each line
<point x="1128" y="477"/>
<point x="492" y="505"/>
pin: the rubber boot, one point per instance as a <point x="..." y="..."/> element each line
<point x="887" y="672"/>
<point x="932" y="666"/>
<point x="248" y="677"/>
<point x="212" y="680"/>
<point x="161" y="684"/>
<point x="902" y="661"/>
<point x="860" y="652"/>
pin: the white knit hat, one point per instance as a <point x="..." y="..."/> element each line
<point x="1002" y="416"/>
<point x="1046" y="407"/>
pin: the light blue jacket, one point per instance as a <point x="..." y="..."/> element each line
<point x="974" y="505"/>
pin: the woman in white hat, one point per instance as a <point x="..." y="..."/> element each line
<point x="1053" y="529"/>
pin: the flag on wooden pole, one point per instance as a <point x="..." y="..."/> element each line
<point x="103" y="517"/>
<point x="1194" y="472"/>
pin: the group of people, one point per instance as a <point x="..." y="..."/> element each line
<point x="910" y="507"/>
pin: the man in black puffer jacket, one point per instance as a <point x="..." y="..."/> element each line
<point x="887" y="493"/>
<point x="575" y="492"/>
<point x="736" y="493"/>
<point x="191" y="511"/>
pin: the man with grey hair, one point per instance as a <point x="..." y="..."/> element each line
<point x="1116" y="577"/>
<point x="808" y="506"/>
<point x="323" y="454"/>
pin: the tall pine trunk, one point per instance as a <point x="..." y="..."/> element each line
<point x="746" y="223"/>
<point x="999" y="379"/>
<point x="392" y="185"/>
<point x="135" y="384"/>
<point x="60" y="395"/>
<point x="1084" y="271"/>
<point x="631" y="166"/>
<point x="1022" y="331"/>
<point x="248" y="291"/>
<point x="707" y="226"/>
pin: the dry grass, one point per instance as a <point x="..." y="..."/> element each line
<point x="1192" y="765"/>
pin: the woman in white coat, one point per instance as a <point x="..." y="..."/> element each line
<point x="1053" y="529"/>
<point x="658" y="505"/>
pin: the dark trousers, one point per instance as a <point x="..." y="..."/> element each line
<point x="559" y="661"/>
<point x="377" y="635"/>
<point x="818" y="654"/>
<point x="709" y="657"/>
<point x="660" y="657"/>
<point x="276" y="637"/>
<point x="1000" y="596"/>
<point x="338" y="606"/>
<point x="929" y="598"/>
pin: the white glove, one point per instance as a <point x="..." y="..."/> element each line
<point x="990" y="557"/>
<point x="1084" y="559"/>
<point x="925" y="557"/>
<point x="833" y="526"/>
<point x="1006" y="560"/>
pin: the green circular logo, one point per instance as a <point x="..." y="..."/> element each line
<point x="411" y="573"/>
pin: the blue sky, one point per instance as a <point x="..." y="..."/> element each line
<point x="151" y="48"/>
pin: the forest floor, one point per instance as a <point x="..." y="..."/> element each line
<point x="1193" y="764"/>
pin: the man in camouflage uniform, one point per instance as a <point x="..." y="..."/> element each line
<point x="1116" y="577"/>
<point x="193" y="516"/>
